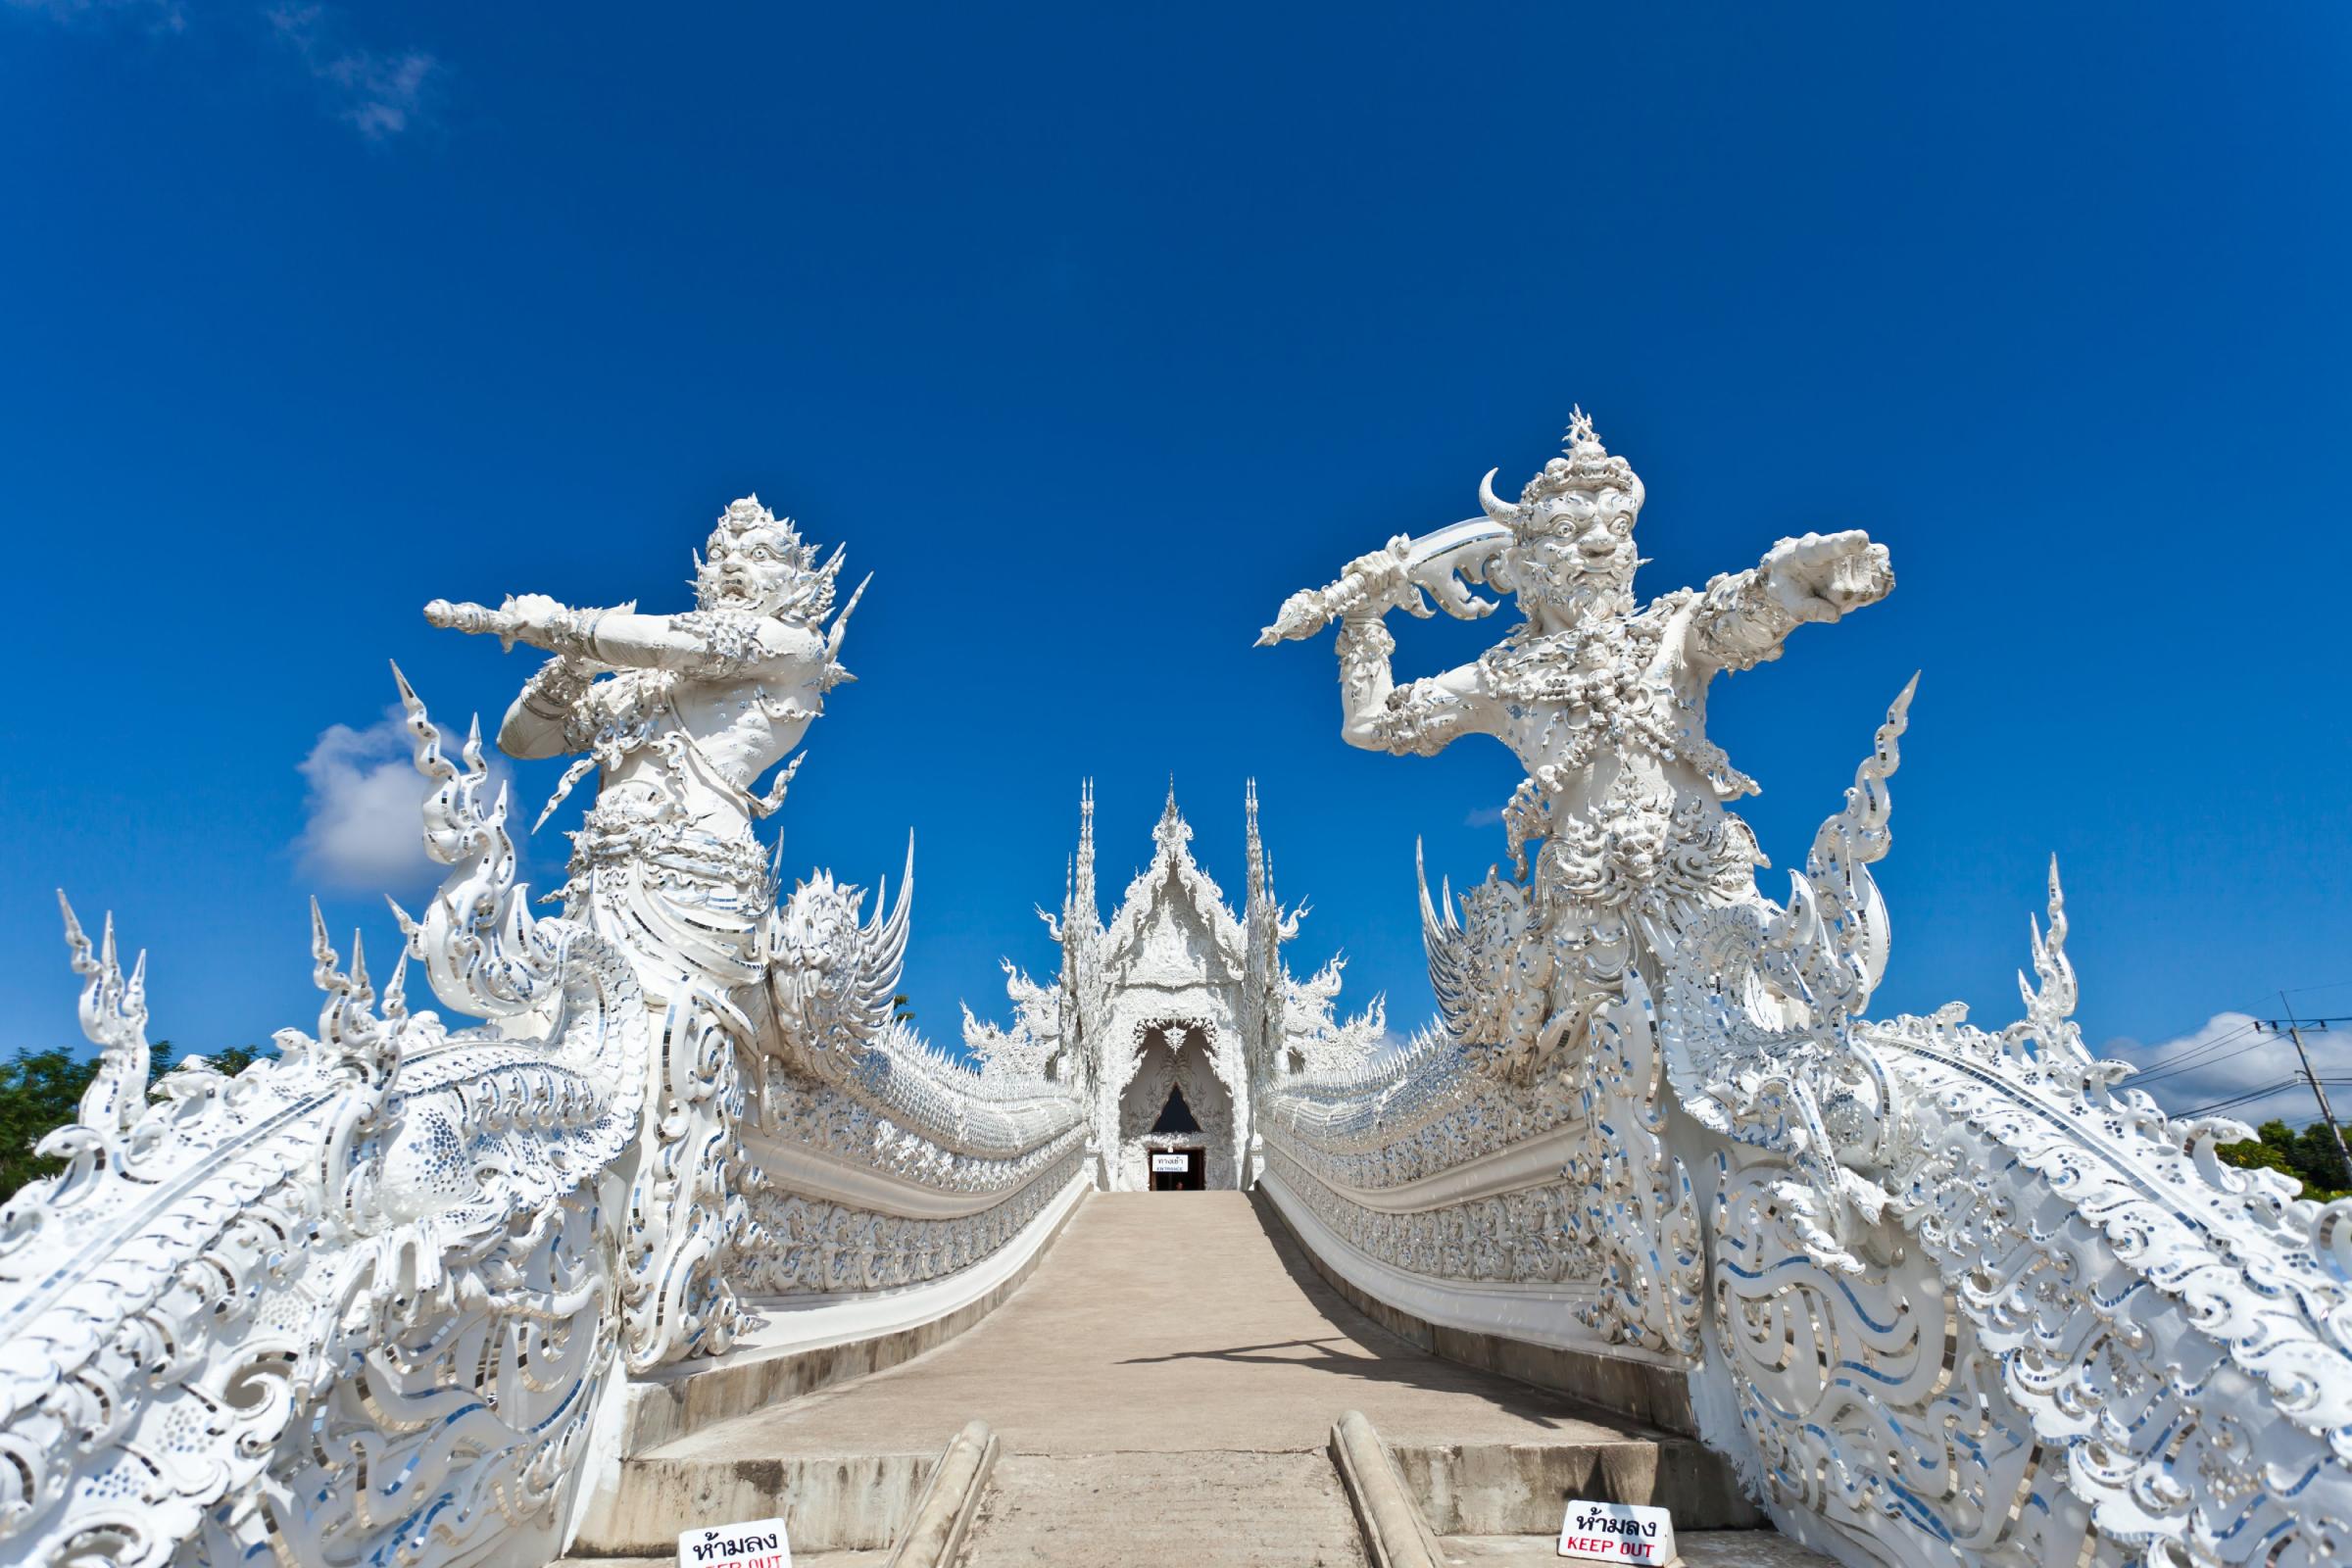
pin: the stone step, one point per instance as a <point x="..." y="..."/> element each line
<point x="1698" y="1548"/>
<point x="828" y="1503"/>
<point x="1511" y="1489"/>
<point x="1135" y="1508"/>
<point x="800" y="1559"/>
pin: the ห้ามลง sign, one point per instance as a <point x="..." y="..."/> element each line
<point x="754" y="1544"/>
<point x="1617" y="1531"/>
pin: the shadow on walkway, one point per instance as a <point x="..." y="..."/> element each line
<point x="1362" y="1347"/>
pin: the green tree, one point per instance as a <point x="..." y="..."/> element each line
<point x="41" y="1090"/>
<point x="2308" y="1154"/>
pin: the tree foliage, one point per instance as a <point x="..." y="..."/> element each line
<point x="41" y="1090"/>
<point x="2309" y="1156"/>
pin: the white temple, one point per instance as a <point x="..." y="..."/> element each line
<point x="461" y="1286"/>
<point x="1162" y="1012"/>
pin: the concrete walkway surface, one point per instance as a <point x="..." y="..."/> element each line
<point x="1165" y="1322"/>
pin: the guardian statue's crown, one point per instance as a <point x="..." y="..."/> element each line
<point x="1585" y="464"/>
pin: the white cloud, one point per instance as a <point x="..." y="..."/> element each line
<point x="364" y="831"/>
<point x="1483" y="816"/>
<point x="163" y="16"/>
<point x="379" y="93"/>
<point x="2229" y="1056"/>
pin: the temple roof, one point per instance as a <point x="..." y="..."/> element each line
<point x="1172" y="881"/>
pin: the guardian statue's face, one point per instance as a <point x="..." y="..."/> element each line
<point x="752" y="570"/>
<point x="1577" y="548"/>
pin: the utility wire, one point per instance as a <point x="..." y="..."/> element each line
<point x="2198" y="1056"/>
<point x="2245" y="1095"/>
<point x="2196" y="1053"/>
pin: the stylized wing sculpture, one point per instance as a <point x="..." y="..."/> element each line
<point x="834" y="980"/>
<point x="1452" y="974"/>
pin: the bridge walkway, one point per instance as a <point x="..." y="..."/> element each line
<point x="1163" y="1388"/>
<point x="1165" y="1323"/>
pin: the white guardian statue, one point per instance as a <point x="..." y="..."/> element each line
<point x="683" y="714"/>
<point x="1941" y="1294"/>
<point x="1604" y="701"/>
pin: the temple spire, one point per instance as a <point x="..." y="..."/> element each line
<point x="1258" y="848"/>
<point x="1173" y="831"/>
<point x="1080" y="893"/>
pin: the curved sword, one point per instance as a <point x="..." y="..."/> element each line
<point x="1430" y="562"/>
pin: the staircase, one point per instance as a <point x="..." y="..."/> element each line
<point x="1215" y="1509"/>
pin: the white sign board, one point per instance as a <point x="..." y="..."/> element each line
<point x="1617" y="1531"/>
<point x="754" y="1544"/>
<point x="1177" y="1162"/>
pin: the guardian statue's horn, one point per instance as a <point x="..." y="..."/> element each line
<point x="1496" y="507"/>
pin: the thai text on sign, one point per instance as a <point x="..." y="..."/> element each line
<point x="756" y="1543"/>
<point x="1617" y="1531"/>
<point x="1171" y="1162"/>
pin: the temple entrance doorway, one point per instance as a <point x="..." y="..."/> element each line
<point x="1175" y="1114"/>
<point x="1180" y="1170"/>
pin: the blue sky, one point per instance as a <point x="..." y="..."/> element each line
<point x="1094" y="333"/>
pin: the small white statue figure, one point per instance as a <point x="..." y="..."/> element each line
<point x="1604" y="703"/>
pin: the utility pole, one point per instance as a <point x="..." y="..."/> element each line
<point x="2294" y="1032"/>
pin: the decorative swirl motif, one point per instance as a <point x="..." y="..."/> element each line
<point x="264" y="1306"/>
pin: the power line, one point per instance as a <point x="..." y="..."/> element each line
<point x="2294" y="1032"/>
<point x="2242" y="1095"/>
<point x="2199" y="1051"/>
<point x="2196" y="1055"/>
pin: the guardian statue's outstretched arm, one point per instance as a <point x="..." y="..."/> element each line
<point x="709" y="645"/>
<point x="754" y="655"/>
<point x="1743" y="616"/>
<point x="712" y="644"/>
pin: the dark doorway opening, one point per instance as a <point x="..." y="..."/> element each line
<point x="1179" y="1170"/>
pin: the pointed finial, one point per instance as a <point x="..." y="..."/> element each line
<point x="1580" y="430"/>
<point x="1173" y="831"/>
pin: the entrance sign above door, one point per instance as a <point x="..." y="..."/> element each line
<point x="754" y="1544"/>
<point x="1174" y="1162"/>
<point x="1617" y="1531"/>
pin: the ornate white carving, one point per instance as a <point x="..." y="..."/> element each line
<point x="361" y="1301"/>
<point x="271" y="1306"/>
<point x="1942" y="1295"/>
